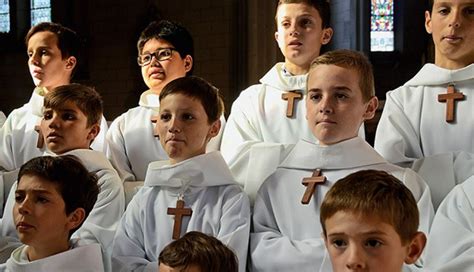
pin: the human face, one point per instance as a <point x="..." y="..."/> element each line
<point x="183" y="127"/>
<point x="451" y="23"/>
<point x="364" y="243"/>
<point x="47" y="67"/>
<point x="300" y="35"/>
<point x="158" y="73"/>
<point x="66" y="129"/>
<point x="40" y="214"/>
<point x="190" y="268"/>
<point x="334" y="105"/>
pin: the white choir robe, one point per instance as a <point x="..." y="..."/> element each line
<point x="219" y="208"/>
<point x="287" y="234"/>
<point x="18" y="139"/>
<point x="258" y="121"/>
<point x="132" y="144"/>
<point x="450" y="244"/>
<point x="2" y="118"/>
<point x="79" y="258"/>
<point x="413" y="129"/>
<point x="102" y="222"/>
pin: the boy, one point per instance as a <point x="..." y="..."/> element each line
<point x="194" y="190"/>
<point x="451" y="240"/>
<point x="197" y="252"/>
<point x="70" y="123"/>
<point x="165" y="52"/>
<point x="273" y="111"/>
<point x="370" y="223"/>
<point x="340" y="97"/>
<point x="52" y="57"/>
<point x="53" y="197"/>
<point x="424" y="126"/>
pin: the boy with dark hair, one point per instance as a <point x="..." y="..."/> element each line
<point x="70" y="123"/>
<point x="53" y="198"/>
<point x="194" y="190"/>
<point x="197" y="252"/>
<point x="340" y="97"/>
<point x="53" y="52"/>
<point x="165" y="52"/>
<point x="370" y="223"/>
<point x="272" y="113"/>
<point x="428" y="123"/>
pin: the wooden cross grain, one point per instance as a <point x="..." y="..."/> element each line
<point x="311" y="184"/>
<point x="178" y="213"/>
<point x="40" y="141"/>
<point x="290" y="97"/>
<point x="154" y="119"/>
<point x="449" y="98"/>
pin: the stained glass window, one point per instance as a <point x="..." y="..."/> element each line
<point x="4" y="16"/>
<point x="381" y="26"/>
<point x="40" y="11"/>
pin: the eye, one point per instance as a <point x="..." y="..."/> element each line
<point x="341" y="96"/>
<point x="44" y="52"/>
<point x="47" y="115"/>
<point x="306" y="22"/>
<point x="42" y="199"/>
<point x="30" y="54"/>
<point x="469" y="10"/>
<point x="69" y="116"/>
<point x="315" y="96"/>
<point x="145" y="58"/>
<point x="443" y="11"/>
<point x="285" y="24"/>
<point x="373" y="243"/>
<point x="187" y="116"/>
<point x="165" y="116"/>
<point x="19" y="198"/>
<point x="339" y="243"/>
<point x="164" y="53"/>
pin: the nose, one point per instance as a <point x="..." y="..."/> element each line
<point x="325" y="105"/>
<point x="455" y="20"/>
<point x="174" y="126"/>
<point x="54" y="122"/>
<point x="24" y="206"/>
<point x="34" y="58"/>
<point x="355" y="259"/>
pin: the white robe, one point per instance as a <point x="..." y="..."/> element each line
<point x="412" y="128"/>
<point x="450" y="244"/>
<point x="18" y="140"/>
<point x="80" y="258"/>
<point x="258" y="121"/>
<point x="2" y="118"/>
<point x="101" y="223"/>
<point x="132" y="146"/>
<point x="220" y="208"/>
<point x="287" y="234"/>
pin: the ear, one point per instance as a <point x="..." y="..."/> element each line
<point x="214" y="130"/>
<point x="188" y="63"/>
<point x="93" y="132"/>
<point x="327" y="35"/>
<point x="75" y="218"/>
<point x="428" y="22"/>
<point x="71" y="62"/>
<point x="371" y="108"/>
<point x="415" y="248"/>
<point x="276" y="36"/>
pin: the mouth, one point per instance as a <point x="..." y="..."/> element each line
<point x="452" y="38"/>
<point x="326" y="122"/>
<point x="156" y="74"/>
<point x="53" y="136"/>
<point x="295" y="43"/>
<point x="174" y="140"/>
<point x="36" y="72"/>
<point x="22" y="226"/>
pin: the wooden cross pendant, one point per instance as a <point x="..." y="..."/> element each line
<point x="449" y="98"/>
<point x="290" y="97"/>
<point x="40" y="141"/>
<point x="178" y="213"/>
<point x="310" y="184"/>
<point x="154" y="119"/>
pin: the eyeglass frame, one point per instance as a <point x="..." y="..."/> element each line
<point x="155" y="54"/>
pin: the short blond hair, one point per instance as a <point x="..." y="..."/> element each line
<point x="350" y="59"/>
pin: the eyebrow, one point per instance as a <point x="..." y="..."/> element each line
<point x="373" y="232"/>
<point x="36" y="191"/>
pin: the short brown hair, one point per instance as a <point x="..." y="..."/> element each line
<point x="322" y="6"/>
<point x="350" y="59"/>
<point x="196" y="248"/>
<point x="197" y="88"/>
<point x="374" y="193"/>
<point x="86" y="99"/>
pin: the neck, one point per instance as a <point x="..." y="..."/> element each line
<point x="296" y="69"/>
<point x="39" y="252"/>
<point x="453" y="64"/>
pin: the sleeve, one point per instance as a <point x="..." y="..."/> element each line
<point x="128" y="252"/>
<point x="102" y="222"/>
<point x="116" y="152"/>
<point x="8" y="236"/>
<point x="450" y="244"/>
<point x="396" y="138"/>
<point x="235" y="226"/>
<point x="2" y="118"/>
<point x="7" y="162"/>
<point x="7" y="179"/>
<point x="272" y="251"/>
<point x="100" y="143"/>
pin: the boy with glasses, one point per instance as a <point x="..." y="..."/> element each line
<point x="166" y="52"/>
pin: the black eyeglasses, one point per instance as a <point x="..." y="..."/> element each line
<point x="160" y="55"/>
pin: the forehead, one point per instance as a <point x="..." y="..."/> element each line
<point x="330" y="74"/>
<point x="68" y="105"/>
<point x="452" y="2"/>
<point x="355" y="224"/>
<point x="294" y="10"/>
<point x="179" y="101"/>
<point x="36" y="183"/>
<point x="154" y="44"/>
<point x="43" y="38"/>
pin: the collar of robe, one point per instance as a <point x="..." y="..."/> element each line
<point x="351" y="153"/>
<point x="204" y="170"/>
<point x="92" y="160"/>
<point x="431" y="75"/>
<point x="282" y="82"/>
<point x="37" y="101"/>
<point x="150" y="100"/>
